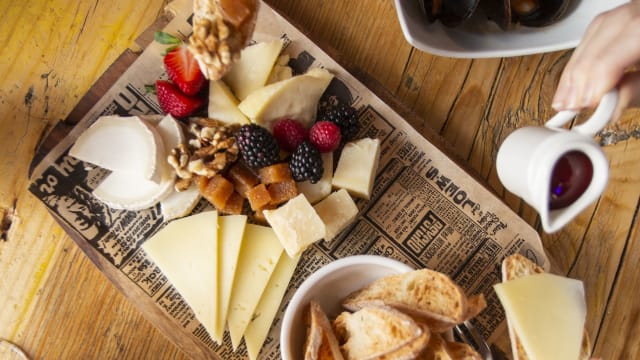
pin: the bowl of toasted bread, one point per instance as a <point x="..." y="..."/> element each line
<point x="370" y="307"/>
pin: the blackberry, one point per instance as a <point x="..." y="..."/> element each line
<point x="345" y="116"/>
<point x="257" y="146"/>
<point x="306" y="163"/>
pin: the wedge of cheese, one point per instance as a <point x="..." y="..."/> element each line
<point x="124" y="144"/>
<point x="252" y="71"/>
<point x="337" y="211"/>
<point x="268" y="305"/>
<point x="293" y="98"/>
<point x="223" y="105"/>
<point x="547" y="312"/>
<point x="186" y="252"/>
<point x="357" y="167"/>
<point x="258" y="257"/>
<point x="230" y="234"/>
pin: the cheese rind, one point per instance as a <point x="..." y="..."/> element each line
<point x="123" y="191"/>
<point x="296" y="224"/>
<point x="357" y="167"/>
<point x="230" y="232"/>
<point x="547" y="312"/>
<point x="179" y="203"/>
<point x="186" y="252"/>
<point x="336" y="211"/>
<point x="268" y="305"/>
<point x="259" y="255"/>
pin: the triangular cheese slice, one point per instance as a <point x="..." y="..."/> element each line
<point x="186" y="252"/>
<point x="547" y="312"/>
<point x="259" y="255"/>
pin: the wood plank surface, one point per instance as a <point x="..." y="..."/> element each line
<point x="55" y="304"/>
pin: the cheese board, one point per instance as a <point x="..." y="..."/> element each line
<point x="424" y="209"/>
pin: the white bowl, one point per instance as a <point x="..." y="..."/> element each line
<point x="481" y="39"/>
<point x="329" y="286"/>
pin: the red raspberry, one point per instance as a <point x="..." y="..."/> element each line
<point x="325" y="135"/>
<point x="289" y="134"/>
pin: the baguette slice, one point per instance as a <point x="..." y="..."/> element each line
<point x="427" y="295"/>
<point x="374" y="332"/>
<point x="516" y="266"/>
<point x="321" y="342"/>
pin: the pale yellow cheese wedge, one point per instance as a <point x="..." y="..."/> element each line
<point x="252" y="71"/>
<point x="337" y="211"/>
<point x="295" y="98"/>
<point x="357" y="166"/>
<point x="223" y="105"/>
<point x="547" y="312"/>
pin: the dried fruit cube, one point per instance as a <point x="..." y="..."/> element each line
<point x="217" y="191"/>
<point x="258" y="197"/>
<point x="234" y="204"/>
<point x="243" y="178"/>
<point x="282" y="191"/>
<point x="274" y="173"/>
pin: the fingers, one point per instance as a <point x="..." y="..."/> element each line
<point x="629" y="93"/>
<point x="610" y="46"/>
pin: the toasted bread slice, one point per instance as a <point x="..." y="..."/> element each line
<point x="425" y="294"/>
<point x="412" y="350"/>
<point x="321" y="342"/>
<point x="436" y="349"/>
<point x="375" y="331"/>
<point x="516" y="266"/>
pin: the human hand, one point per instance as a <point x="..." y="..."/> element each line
<point x="608" y="56"/>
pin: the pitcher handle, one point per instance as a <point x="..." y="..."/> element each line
<point x="595" y="123"/>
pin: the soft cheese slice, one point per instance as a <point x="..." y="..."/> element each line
<point x="170" y="132"/>
<point x="268" y="306"/>
<point x="186" y="252"/>
<point x="124" y="191"/>
<point x="259" y="255"/>
<point x="252" y="71"/>
<point x="223" y="105"/>
<point x="357" y="167"/>
<point x="336" y="211"/>
<point x="322" y="188"/>
<point x="547" y="312"/>
<point x="294" y="98"/>
<point x="179" y="203"/>
<point x="122" y="144"/>
<point x="230" y="232"/>
<point x="296" y="224"/>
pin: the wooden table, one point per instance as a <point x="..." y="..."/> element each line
<point x="56" y="305"/>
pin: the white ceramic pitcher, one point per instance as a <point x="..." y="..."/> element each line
<point x="527" y="158"/>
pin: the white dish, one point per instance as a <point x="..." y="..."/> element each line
<point x="329" y="286"/>
<point x="482" y="39"/>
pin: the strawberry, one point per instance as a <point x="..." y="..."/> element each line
<point x="289" y="134"/>
<point x="325" y="135"/>
<point x="183" y="70"/>
<point x="174" y="102"/>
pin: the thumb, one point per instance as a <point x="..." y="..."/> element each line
<point x="629" y="93"/>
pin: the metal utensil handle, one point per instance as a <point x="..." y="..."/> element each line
<point x="595" y="123"/>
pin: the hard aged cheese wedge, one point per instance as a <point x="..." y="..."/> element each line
<point x="259" y="255"/>
<point x="294" y="98"/>
<point x="230" y="233"/>
<point x="547" y="312"/>
<point x="336" y="211"/>
<point x="252" y="71"/>
<point x="268" y="306"/>
<point x="357" y="167"/>
<point x="186" y="252"/>
<point x="322" y="188"/>
<point x="296" y="224"/>
<point x="223" y="105"/>
<point x="123" y="144"/>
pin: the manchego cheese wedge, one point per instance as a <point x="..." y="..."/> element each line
<point x="295" y="98"/>
<point x="252" y="71"/>
<point x="223" y="105"/>
<point x="123" y="144"/>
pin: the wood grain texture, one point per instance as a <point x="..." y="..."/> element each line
<point x="55" y="303"/>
